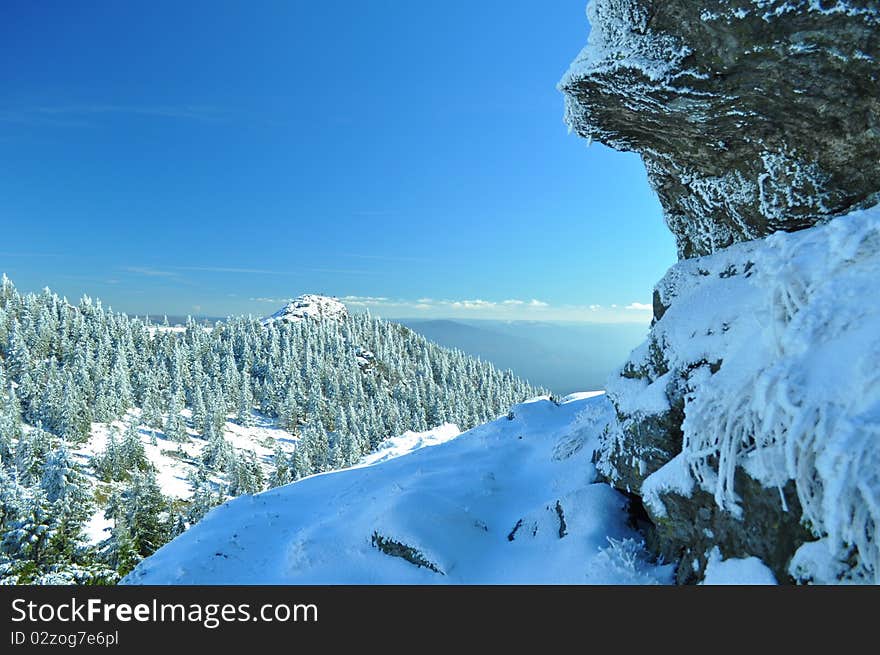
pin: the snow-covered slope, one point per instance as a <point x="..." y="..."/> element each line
<point x="308" y="306"/>
<point x="511" y="501"/>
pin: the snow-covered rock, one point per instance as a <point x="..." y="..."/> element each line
<point x="736" y="571"/>
<point x="309" y="306"/>
<point x="751" y="115"/>
<point x="749" y="421"/>
<point x="767" y="433"/>
<point x="511" y="501"/>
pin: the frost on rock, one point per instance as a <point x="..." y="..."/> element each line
<point x="674" y="476"/>
<point x="772" y="348"/>
<point x="751" y="117"/>
<point x="619" y="44"/>
<point x="811" y="411"/>
<point x="748" y="420"/>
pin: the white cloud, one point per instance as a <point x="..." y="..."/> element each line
<point x="363" y="301"/>
<point x="471" y="304"/>
<point x="508" y="309"/>
<point x="640" y="306"/>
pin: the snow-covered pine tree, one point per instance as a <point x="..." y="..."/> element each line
<point x="31" y="451"/>
<point x="69" y="493"/>
<point x="142" y="513"/>
<point x="301" y="462"/>
<point x="175" y="426"/>
<point x="27" y="537"/>
<point x="10" y="420"/>
<point x="281" y="468"/>
<point x="153" y="409"/>
<point x="245" y="403"/>
<point x="132" y="454"/>
<point x="243" y="474"/>
<point x="205" y="496"/>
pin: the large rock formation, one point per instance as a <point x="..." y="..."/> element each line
<point x="748" y="421"/>
<point x="751" y="115"/>
<point x="308" y="306"/>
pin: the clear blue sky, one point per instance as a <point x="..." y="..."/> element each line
<point x="218" y="157"/>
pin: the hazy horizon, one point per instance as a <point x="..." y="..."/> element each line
<point x="420" y="309"/>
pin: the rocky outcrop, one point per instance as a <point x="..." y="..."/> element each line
<point x="308" y="306"/>
<point x="751" y="116"/>
<point x="748" y="421"/>
<point x="408" y="553"/>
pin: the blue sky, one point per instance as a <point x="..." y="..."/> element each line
<point x="220" y="157"/>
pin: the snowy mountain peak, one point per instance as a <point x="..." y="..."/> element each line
<point x="309" y="306"/>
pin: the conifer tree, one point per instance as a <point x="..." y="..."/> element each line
<point x="75" y="417"/>
<point x="245" y="404"/>
<point x="31" y="451"/>
<point x="302" y="462"/>
<point x="132" y="453"/>
<point x="175" y="426"/>
<point x="204" y="496"/>
<point x="178" y="525"/>
<point x="28" y="535"/>
<point x="10" y="420"/>
<point x="281" y="468"/>
<point x="119" y="549"/>
<point x="142" y="510"/>
<point x="243" y="474"/>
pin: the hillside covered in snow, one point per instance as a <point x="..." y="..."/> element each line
<point x="117" y="435"/>
<point x="511" y="501"/>
<point x="762" y="351"/>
